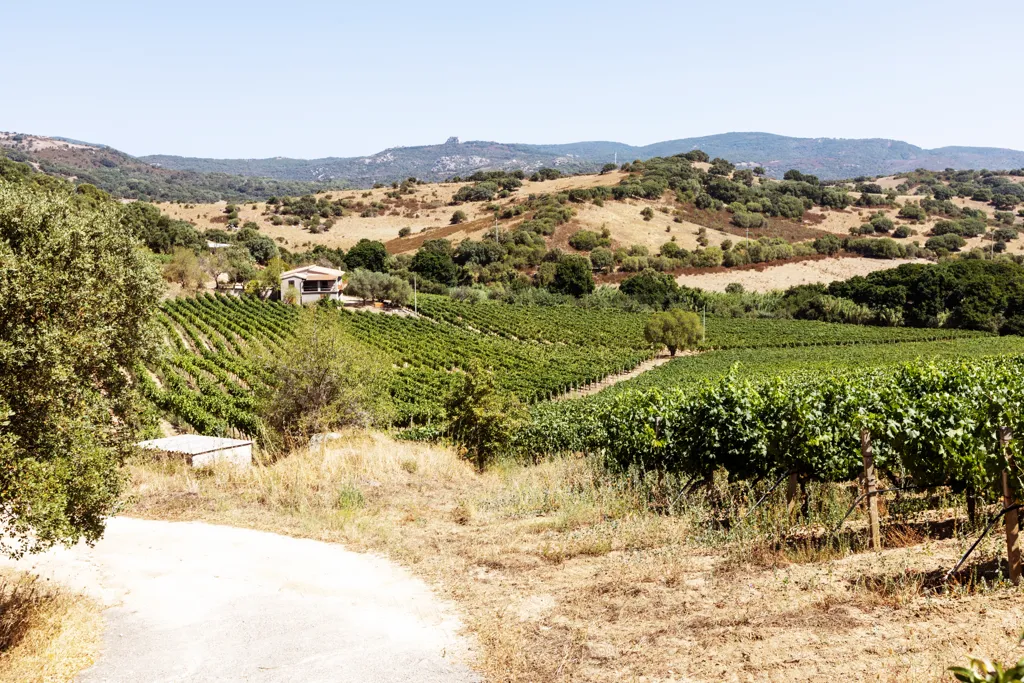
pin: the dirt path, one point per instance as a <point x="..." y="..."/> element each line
<point x="622" y="376"/>
<point x="188" y="601"/>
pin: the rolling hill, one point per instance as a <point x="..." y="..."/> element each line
<point x="829" y="158"/>
<point x="186" y="179"/>
<point x="128" y="177"/>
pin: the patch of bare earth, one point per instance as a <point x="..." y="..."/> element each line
<point x="650" y="364"/>
<point x="562" y="576"/>
<point x="787" y="275"/>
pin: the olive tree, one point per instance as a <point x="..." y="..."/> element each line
<point x="77" y="298"/>
<point x="675" y="329"/>
<point x="371" y="286"/>
<point x="482" y="419"/>
<point x="185" y="270"/>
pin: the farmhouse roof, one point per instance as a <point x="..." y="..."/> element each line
<point x="313" y="273"/>
<point x="192" y="444"/>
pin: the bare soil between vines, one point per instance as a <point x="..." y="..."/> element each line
<point x="560" y="576"/>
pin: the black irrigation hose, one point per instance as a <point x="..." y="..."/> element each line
<point x="762" y="498"/>
<point x="862" y="496"/>
<point x="984" y="533"/>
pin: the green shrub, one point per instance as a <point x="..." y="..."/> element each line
<point x="583" y="240"/>
<point x="883" y="247"/>
<point x="602" y="259"/>
<point x="947" y="241"/>
<point x="574" y="275"/>
<point x="912" y="211"/>
<point x="828" y="244"/>
<point x="882" y="223"/>
<point x="650" y="288"/>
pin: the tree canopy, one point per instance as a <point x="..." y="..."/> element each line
<point x="368" y="255"/>
<point x="675" y="329"/>
<point x="76" y="302"/>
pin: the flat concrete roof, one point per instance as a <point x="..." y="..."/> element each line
<point x="313" y="273"/>
<point x="192" y="444"/>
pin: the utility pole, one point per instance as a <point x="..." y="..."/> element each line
<point x="415" y="302"/>
<point x="704" y="326"/>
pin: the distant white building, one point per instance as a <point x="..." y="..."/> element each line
<point x="309" y="284"/>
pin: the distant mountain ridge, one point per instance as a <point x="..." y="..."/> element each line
<point x="174" y="178"/>
<point x="829" y="158"/>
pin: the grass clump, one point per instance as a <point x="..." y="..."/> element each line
<point x="46" y="633"/>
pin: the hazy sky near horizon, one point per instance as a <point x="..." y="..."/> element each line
<point x="312" y="79"/>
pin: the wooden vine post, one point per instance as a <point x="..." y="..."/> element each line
<point x="1012" y="519"/>
<point x="791" y="494"/>
<point x="870" y="489"/>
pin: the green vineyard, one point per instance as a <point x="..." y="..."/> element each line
<point x="930" y="422"/>
<point x="216" y="347"/>
<point x="571" y="426"/>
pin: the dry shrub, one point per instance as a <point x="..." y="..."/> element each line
<point x="19" y="600"/>
<point x="559" y="552"/>
<point x="464" y="512"/>
<point x="46" y="633"/>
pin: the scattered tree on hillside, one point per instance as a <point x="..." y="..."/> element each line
<point x="368" y="255"/>
<point x="458" y="217"/>
<point x="434" y="262"/>
<point x="260" y="247"/>
<point x="650" y="288"/>
<point x="573" y="275"/>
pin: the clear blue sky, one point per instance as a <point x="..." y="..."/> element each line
<point x="310" y="79"/>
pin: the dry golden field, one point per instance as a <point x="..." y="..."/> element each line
<point x="787" y="275"/>
<point x="427" y="213"/>
<point x="432" y="212"/>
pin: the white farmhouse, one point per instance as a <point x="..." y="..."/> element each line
<point x="309" y="284"/>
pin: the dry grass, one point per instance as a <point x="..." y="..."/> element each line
<point x="562" y="573"/>
<point x="46" y="633"/>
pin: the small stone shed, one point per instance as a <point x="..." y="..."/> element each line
<point x="200" y="451"/>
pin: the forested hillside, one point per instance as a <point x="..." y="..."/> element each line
<point x="126" y="177"/>
<point x="176" y="178"/>
<point x="828" y="158"/>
